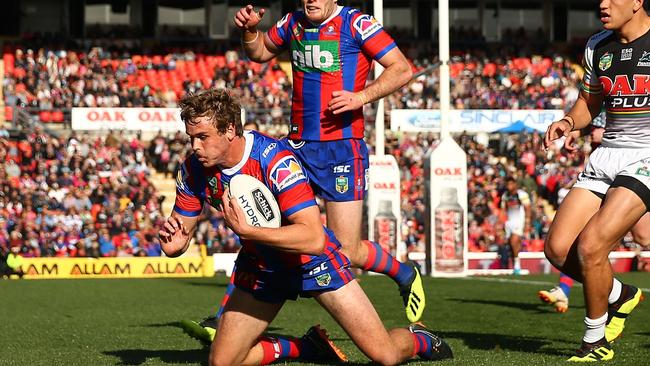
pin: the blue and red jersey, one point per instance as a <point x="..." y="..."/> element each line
<point x="335" y="55"/>
<point x="266" y="159"/>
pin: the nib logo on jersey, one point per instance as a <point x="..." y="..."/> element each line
<point x="310" y="56"/>
<point x="286" y="172"/>
<point x="626" y="93"/>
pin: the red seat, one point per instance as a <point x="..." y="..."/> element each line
<point x="9" y="113"/>
<point x="57" y="116"/>
<point x="45" y="116"/>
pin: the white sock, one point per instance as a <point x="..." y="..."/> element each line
<point x="594" y="329"/>
<point x="516" y="263"/>
<point x="616" y="291"/>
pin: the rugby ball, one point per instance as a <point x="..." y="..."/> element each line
<point x="257" y="201"/>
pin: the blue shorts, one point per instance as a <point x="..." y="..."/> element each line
<point x="337" y="170"/>
<point x="271" y="286"/>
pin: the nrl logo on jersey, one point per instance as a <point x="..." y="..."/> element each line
<point x="644" y="60"/>
<point x="605" y="61"/>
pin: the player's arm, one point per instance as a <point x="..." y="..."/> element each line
<point x="176" y="233"/>
<point x="588" y="105"/>
<point x="257" y="45"/>
<point x="396" y="74"/>
<point x="524" y="197"/>
<point x="303" y="235"/>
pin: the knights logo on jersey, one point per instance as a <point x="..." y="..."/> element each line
<point x="324" y="280"/>
<point x="605" y="61"/>
<point x="212" y="183"/>
<point x="286" y="172"/>
<point x="180" y="178"/>
<point x="342" y="184"/>
<point x="366" y="25"/>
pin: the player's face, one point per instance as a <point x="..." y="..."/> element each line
<point x="317" y="11"/>
<point x="511" y="186"/>
<point x="209" y="145"/>
<point x="615" y="13"/>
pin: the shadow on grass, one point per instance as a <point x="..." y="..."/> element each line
<point x="504" y="342"/>
<point x="540" y="307"/>
<point x="140" y="356"/>
<point x="179" y="325"/>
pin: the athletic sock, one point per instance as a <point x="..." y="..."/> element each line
<point x="226" y="296"/>
<point x="616" y="291"/>
<point x="381" y="261"/>
<point x="422" y="345"/>
<point x="516" y="263"/>
<point x="278" y="348"/>
<point x="566" y="283"/>
<point x="595" y="329"/>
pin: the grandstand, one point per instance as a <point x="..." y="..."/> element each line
<point x="107" y="55"/>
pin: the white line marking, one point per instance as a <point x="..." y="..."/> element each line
<point x="525" y="282"/>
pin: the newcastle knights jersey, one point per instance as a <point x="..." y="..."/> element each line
<point x="335" y="55"/>
<point x="267" y="160"/>
<point x="621" y="73"/>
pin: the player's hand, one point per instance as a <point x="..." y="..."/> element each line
<point x="247" y="18"/>
<point x="233" y="215"/>
<point x="556" y="130"/>
<point x="569" y="142"/>
<point x="343" y="101"/>
<point x="174" y="232"/>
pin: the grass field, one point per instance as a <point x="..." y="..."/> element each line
<point x="487" y="321"/>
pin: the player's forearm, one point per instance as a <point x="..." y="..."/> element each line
<point x="586" y="108"/>
<point x="296" y="238"/>
<point x="254" y="47"/>
<point x="394" y="77"/>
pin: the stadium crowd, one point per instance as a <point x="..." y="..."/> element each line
<point x="78" y="196"/>
<point x="107" y="214"/>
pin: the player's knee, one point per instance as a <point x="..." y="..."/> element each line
<point x="554" y="254"/>
<point x="386" y="358"/>
<point x="219" y="359"/>
<point x="590" y="250"/>
<point x="641" y="238"/>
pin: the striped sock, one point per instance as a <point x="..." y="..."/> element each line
<point x="381" y="261"/>
<point x="226" y="296"/>
<point x="566" y="283"/>
<point x="277" y="348"/>
<point x="421" y="345"/>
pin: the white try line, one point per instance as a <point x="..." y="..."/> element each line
<point x="525" y="282"/>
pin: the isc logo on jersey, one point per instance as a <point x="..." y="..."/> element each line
<point x="310" y="56"/>
<point x="286" y="172"/>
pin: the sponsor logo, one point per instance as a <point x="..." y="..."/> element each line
<point x="644" y="60"/>
<point x="262" y="205"/>
<point x="324" y="280"/>
<point x="269" y="148"/>
<point x="170" y="268"/>
<point x="384" y="185"/>
<point x="310" y="56"/>
<point x="447" y="171"/>
<point x="42" y="270"/>
<point x="286" y="172"/>
<point x="341" y="169"/>
<point x="180" y="178"/>
<point x="283" y="20"/>
<point x="366" y="25"/>
<point x="342" y="184"/>
<point x="319" y="269"/>
<point x="643" y="171"/>
<point x="248" y="210"/>
<point x="621" y="85"/>
<point x="626" y="54"/>
<point x="605" y="61"/>
<point x="294" y="128"/>
<point x="100" y="269"/>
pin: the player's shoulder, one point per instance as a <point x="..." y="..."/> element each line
<point x="600" y="39"/>
<point x="265" y="147"/>
<point x="289" y="18"/>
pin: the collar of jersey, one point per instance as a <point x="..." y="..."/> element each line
<point x="336" y="12"/>
<point x="247" y="152"/>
